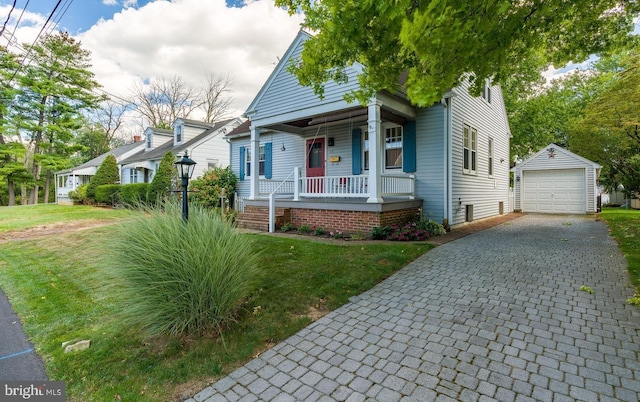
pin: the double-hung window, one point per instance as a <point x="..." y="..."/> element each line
<point x="469" y="150"/>
<point x="133" y="175"/>
<point x="261" y="160"/>
<point x="486" y="91"/>
<point x="149" y="141"/>
<point x="392" y="148"/>
<point x="178" y="134"/>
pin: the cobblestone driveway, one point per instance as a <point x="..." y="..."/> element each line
<point x="497" y="315"/>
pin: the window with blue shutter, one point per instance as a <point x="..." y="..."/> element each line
<point x="409" y="147"/>
<point x="356" y="151"/>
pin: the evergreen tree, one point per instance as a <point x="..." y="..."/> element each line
<point x="163" y="179"/>
<point x="107" y="174"/>
<point x="55" y="88"/>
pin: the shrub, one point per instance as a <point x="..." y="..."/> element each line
<point x="287" y="227"/>
<point x="134" y="194"/>
<point x="213" y="185"/>
<point x="431" y="226"/>
<point x="318" y="231"/>
<point x="107" y="173"/>
<point x="163" y="179"/>
<point x="182" y="278"/>
<point x="304" y="228"/>
<point x="80" y="194"/>
<point x="107" y="193"/>
<point x="381" y="233"/>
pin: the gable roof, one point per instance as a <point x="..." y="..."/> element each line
<point x="242" y="130"/>
<point x="195" y="123"/>
<point x="97" y="161"/>
<point x="159" y="152"/>
<point x="269" y="100"/>
<point x="556" y="148"/>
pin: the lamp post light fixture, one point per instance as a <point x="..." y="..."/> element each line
<point x="185" y="167"/>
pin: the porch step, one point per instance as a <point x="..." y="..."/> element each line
<point x="257" y="218"/>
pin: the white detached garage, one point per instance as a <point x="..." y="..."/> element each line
<point x="555" y="180"/>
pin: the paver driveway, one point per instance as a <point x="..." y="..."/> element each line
<point x="497" y="315"/>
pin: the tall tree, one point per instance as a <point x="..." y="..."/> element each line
<point x="215" y="99"/>
<point x="56" y="88"/>
<point x="102" y="130"/>
<point x="437" y="41"/>
<point x="609" y="130"/>
<point x="166" y="99"/>
<point x="12" y="151"/>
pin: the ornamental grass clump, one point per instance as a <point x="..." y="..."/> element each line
<point x="182" y="278"/>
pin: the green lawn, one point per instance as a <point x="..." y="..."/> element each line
<point x="625" y="228"/>
<point x="59" y="285"/>
<point x="28" y="216"/>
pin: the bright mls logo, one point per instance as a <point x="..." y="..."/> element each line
<point x="42" y="391"/>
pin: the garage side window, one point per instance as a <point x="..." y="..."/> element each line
<point x="469" y="149"/>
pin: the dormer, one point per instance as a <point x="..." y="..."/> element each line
<point x="154" y="137"/>
<point x="186" y="129"/>
<point x="148" y="139"/>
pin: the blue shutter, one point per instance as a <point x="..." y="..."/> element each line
<point x="242" y="163"/>
<point x="409" y="147"/>
<point x="267" y="160"/>
<point x="356" y="151"/>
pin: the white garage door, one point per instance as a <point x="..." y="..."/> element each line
<point x="554" y="191"/>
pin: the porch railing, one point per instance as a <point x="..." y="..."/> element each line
<point x="335" y="186"/>
<point x="349" y="186"/>
<point x="398" y="185"/>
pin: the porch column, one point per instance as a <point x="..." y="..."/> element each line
<point x="255" y="163"/>
<point x="375" y="151"/>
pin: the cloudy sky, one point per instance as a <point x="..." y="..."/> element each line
<point x="137" y="40"/>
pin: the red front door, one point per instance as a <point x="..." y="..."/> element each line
<point x="315" y="165"/>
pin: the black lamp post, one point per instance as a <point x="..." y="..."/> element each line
<point x="185" y="167"/>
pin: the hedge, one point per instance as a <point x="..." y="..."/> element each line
<point x="105" y="193"/>
<point x="134" y="193"/>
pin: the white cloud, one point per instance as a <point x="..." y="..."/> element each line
<point x="190" y="38"/>
<point x="110" y="2"/>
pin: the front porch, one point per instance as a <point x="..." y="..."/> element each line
<point x="330" y="202"/>
<point x="354" y="215"/>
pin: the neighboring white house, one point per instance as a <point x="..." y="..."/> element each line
<point x="205" y="143"/>
<point x="70" y="179"/>
<point x="350" y="167"/>
<point x="555" y="180"/>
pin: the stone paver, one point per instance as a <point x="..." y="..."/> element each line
<point x="497" y="315"/>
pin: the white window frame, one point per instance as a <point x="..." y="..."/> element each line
<point x="390" y="131"/>
<point x="133" y="175"/>
<point x="149" y="141"/>
<point x="486" y="91"/>
<point x="490" y="152"/>
<point x="262" y="160"/>
<point x="469" y="150"/>
<point x="179" y="134"/>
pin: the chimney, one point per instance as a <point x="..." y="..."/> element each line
<point x="137" y="138"/>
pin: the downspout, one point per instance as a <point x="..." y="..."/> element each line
<point x="448" y="187"/>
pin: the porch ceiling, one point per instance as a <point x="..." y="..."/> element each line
<point x="354" y="114"/>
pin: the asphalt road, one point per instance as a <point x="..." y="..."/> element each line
<point x="18" y="359"/>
